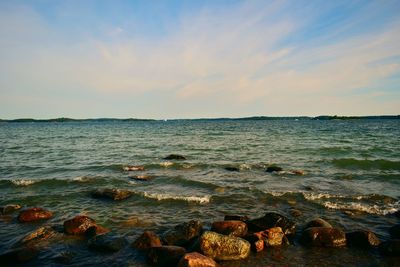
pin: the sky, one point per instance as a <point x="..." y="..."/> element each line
<point x="198" y="59"/>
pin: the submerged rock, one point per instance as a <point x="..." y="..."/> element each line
<point x="41" y="234"/>
<point x="236" y="218"/>
<point x="107" y="243"/>
<point x="362" y="238"/>
<point x="175" y="157"/>
<point x="296" y="212"/>
<point x="323" y="237"/>
<point x="273" y="169"/>
<point x="233" y="228"/>
<point x="142" y="177"/>
<point x="112" y="193"/>
<point x="34" y="214"/>
<point x="195" y="259"/>
<point x="318" y="223"/>
<point x="395" y="231"/>
<point x="18" y="256"/>
<point x="183" y="234"/>
<point x="165" y="255"/>
<point x="79" y="225"/>
<point x="221" y="247"/>
<point x="270" y="220"/>
<point x="147" y="240"/>
<point x="232" y="169"/>
<point x="390" y="247"/>
<point x="9" y="209"/>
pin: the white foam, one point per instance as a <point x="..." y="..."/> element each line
<point x="372" y="209"/>
<point x="314" y="196"/>
<point x="22" y="182"/>
<point x="81" y="179"/>
<point x="158" y="196"/>
<point x="166" y="164"/>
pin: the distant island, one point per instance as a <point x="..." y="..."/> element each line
<point x="254" y="118"/>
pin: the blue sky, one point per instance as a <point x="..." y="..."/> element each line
<point x="191" y="59"/>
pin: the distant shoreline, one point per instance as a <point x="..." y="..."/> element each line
<point x="323" y="117"/>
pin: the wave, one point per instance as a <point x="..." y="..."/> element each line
<point x="366" y="164"/>
<point x="364" y="207"/>
<point x="161" y="196"/>
<point x="52" y="181"/>
<point x="22" y="182"/>
<point x="179" y="180"/>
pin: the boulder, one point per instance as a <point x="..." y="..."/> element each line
<point x="395" y="231"/>
<point x="143" y="177"/>
<point x="107" y="243"/>
<point x="362" y="238"/>
<point x="18" y="256"/>
<point x="147" y="240"/>
<point x="233" y="228"/>
<point x="256" y="243"/>
<point x="34" y="214"/>
<point x="323" y="237"/>
<point x="165" y="255"/>
<point x="273" y="169"/>
<point x="183" y="234"/>
<point x="195" y="259"/>
<point x="270" y="220"/>
<point x="79" y="225"/>
<point x="390" y="247"/>
<point x="318" y="223"/>
<point x="236" y="218"/>
<point x="232" y="169"/>
<point x="112" y="193"/>
<point x="9" y="209"/>
<point x="221" y="247"/>
<point x="175" y="157"/>
<point x="271" y="237"/>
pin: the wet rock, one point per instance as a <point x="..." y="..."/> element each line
<point x="166" y="255"/>
<point x="318" y="223"/>
<point x="323" y="237"/>
<point x="271" y="237"/>
<point x="195" y="259"/>
<point x="79" y="225"/>
<point x="298" y="172"/>
<point x="34" y="214"/>
<point x="233" y="228"/>
<point x="96" y="230"/>
<point x="295" y="213"/>
<point x="18" y="256"/>
<point x="107" y="243"/>
<point x="183" y="234"/>
<point x="221" y="247"/>
<point x="142" y="177"/>
<point x="395" y="231"/>
<point x="41" y="234"/>
<point x="112" y="193"/>
<point x="390" y="247"/>
<point x="9" y="209"/>
<point x="273" y="169"/>
<point x="133" y="168"/>
<point x="232" y="169"/>
<point x="175" y="157"/>
<point x="270" y="220"/>
<point x="362" y="238"/>
<point x="147" y="240"/>
<point x="236" y="218"/>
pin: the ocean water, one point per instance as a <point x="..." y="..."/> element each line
<point x="352" y="179"/>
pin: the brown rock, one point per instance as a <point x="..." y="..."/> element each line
<point x="272" y="237"/>
<point x="233" y="228"/>
<point x="143" y="177"/>
<point x="323" y="237"/>
<point x="79" y="225"/>
<point x="165" y="255"/>
<point x="318" y="223"/>
<point x="112" y="193"/>
<point x="362" y="238"/>
<point x="183" y="234"/>
<point x="175" y="157"/>
<point x="195" y="259"/>
<point x="34" y="214"/>
<point x="147" y="240"/>
<point x="9" y="209"/>
<point x="96" y="230"/>
<point x="39" y="235"/>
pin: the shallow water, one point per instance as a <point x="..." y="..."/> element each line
<point x="350" y="166"/>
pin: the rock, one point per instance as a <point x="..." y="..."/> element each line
<point x="133" y="168"/>
<point x="9" y="209"/>
<point x="271" y="237"/>
<point x="147" y="240"/>
<point x="233" y="228"/>
<point x="295" y="213"/>
<point x="232" y="169"/>
<point x="34" y="214"/>
<point x="107" y="243"/>
<point x="165" y="255"/>
<point x="221" y="247"/>
<point x="395" y="231"/>
<point x="183" y="234"/>
<point x="18" y="256"/>
<point x="274" y="169"/>
<point x="318" y="223"/>
<point x="256" y="244"/>
<point x="270" y="220"/>
<point x="142" y="177"/>
<point x="96" y="230"/>
<point x="362" y="238"/>
<point x="236" y="218"/>
<point x="175" y="157"/>
<point x="390" y="247"/>
<point x="112" y="193"/>
<point x="298" y="172"/>
<point x="323" y="237"/>
<point x="79" y="225"/>
<point x="41" y="234"/>
<point x="195" y="259"/>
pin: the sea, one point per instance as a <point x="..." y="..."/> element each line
<point x="350" y="177"/>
